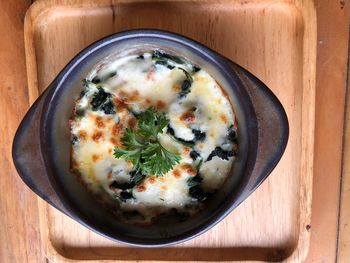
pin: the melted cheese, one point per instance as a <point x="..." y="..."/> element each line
<point x="199" y="121"/>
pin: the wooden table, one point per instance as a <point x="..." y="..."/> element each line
<point x="20" y="236"/>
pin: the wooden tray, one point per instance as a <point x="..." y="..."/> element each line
<point x="275" y="40"/>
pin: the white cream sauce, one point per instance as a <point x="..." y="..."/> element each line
<point x="133" y="84"/>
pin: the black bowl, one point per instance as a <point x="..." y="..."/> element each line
<point x="41" y="148"/>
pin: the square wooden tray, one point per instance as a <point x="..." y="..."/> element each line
<point x="275" y="40"/>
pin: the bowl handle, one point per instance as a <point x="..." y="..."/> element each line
<point x="272" y="124"/>
<point x="27" y="157"/>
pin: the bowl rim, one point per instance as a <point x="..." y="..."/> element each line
<point x="223" y="67"/>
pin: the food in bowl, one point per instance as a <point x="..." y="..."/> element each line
<point x="152" y="135"/>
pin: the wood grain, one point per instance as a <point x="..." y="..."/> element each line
<point x="344" y="220"/>
<point x="332" y="24"/>
<point x="19" y="234"/>
<point x="17" y="241"/>
<point x="275" y="40"/>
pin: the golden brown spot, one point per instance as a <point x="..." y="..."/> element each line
<point x="110" y="150"/>
<point x="148" y="101"/>
<point x="135" y="95"/>
<point x="123" y="96"/>
<point x="140" y="188"/>
<point x="132" y="122"/>
<point x="176" y="173"/>
<point x="200" y="78"/>
<point x="176" y="88"/>
<point x="127" y="97"/>
<point x="121" y="106"/>
<point x="164" y="188"/>
<point x="161" y="105"/>
<point x="99" y="122"/>
<point x="223" y="118"/>
<point x="97" y="136"/>
<point x="96" y="157"/>
<point x="117" y="129"/>
<point x="188" y="117"/>
<point x="161" y="179"/>
<point x="188" y="169"/>
<point x="82" y="134"/>
<point x="152" y="180"/>
<point x="186" y="150"/>
<point x="115" y="141"/>
<point x="108" y="120"/>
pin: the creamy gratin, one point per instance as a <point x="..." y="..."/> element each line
<point x="152" y="135"/>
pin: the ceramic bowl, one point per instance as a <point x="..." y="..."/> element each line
<point x="41" y="149"/>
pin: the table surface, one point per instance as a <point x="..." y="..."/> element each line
<point x="20" y="235"/>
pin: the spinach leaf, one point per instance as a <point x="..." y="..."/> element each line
<point x="232" y="133"/>
<point x="219" y="152"/>
<point x="194" y="155"/>
<point x="197" y="193"/>
<point x="198" y="135"/>
<point x="125" y="195"/>
<point x="102" y="101"/>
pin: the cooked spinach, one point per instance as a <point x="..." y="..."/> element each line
<point x="186" y="84"/>
<point x="194" y="181"/>
<point x="99" y="98"/>
<point x="165" y="64"/>
<point x="108" y="107"/>
<point x="171" y="132"/>
<point x="136" y="177"/>
<point x="197" y="193"/>
<point x="194" y="155"/>
<point x="161" y="56"/>
<point x="87" y="84"/>
<point x="121" y="186"/>
<point x="232" y="133"/>
<point x="82" y="93"/>
<point x="185" y="88"/>
<point x="167" y="60"/>
<point x="74" y="139"/>
<point x="125" y="195"/>
<point x="102" y="101"/>
<point x="198" y="135"/>
<point x="195" y="68"/>
<point x="80" y="112"/>
<point x="110" y="75"/>
<point x="219" y="152"/>
<point x="195" y="190"/>
<point x="97" y="80"/>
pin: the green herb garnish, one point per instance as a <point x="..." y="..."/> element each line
<point x="143" y="148"/>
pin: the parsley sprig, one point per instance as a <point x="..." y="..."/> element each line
<point x="142" y="146"/>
